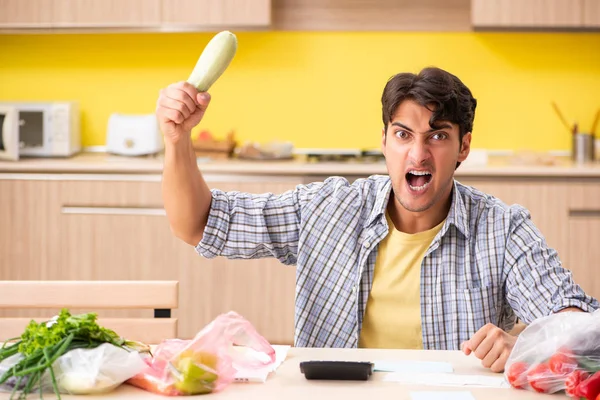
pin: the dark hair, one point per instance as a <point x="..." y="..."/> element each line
<point x="440" y="91"/>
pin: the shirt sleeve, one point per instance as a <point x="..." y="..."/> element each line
<point x="537" y="284"/>
<point x="246" y="226"/>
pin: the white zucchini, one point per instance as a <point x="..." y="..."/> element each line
<point x="214" y="60"/>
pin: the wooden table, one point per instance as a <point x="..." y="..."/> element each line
<point x="289" y="384"/>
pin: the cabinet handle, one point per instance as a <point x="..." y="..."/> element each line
<point x="584" y="213"/>
<point x="100" y="210"/>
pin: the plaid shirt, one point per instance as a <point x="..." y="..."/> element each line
<point x="489" y="263"/>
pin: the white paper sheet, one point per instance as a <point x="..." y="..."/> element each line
<point x="459" y="395"/>
<point x="261" y="375"/>
<point x="443" y="379"/>
<point x="407" y="366"/>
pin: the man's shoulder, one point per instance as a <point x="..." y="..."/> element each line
<point x="373" y="183"/>
<point x="480" y="204"/>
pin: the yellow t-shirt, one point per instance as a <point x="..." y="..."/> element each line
<point x="393" y="314"/>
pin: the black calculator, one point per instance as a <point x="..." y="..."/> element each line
<point x="337" y="370"/>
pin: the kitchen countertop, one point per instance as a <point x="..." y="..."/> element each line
<point x="105" y="163"/>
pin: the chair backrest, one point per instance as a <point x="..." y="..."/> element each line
<point x="161" y="296"/>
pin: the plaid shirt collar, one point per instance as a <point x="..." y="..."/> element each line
<point x="457" y="215"/>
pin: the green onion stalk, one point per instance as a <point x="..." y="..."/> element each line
<point x="41" y="344"/>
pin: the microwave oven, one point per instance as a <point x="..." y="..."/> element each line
<point x="40" y="129"/>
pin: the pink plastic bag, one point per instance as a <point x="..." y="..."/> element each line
<point x="207" y="363"/>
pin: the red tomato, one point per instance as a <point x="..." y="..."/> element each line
<point x="516" y="374"/>
<point x="540" y="378"/>
<point x="562" y="363"/>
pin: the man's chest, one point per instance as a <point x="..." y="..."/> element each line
<point x="460" y="284"/>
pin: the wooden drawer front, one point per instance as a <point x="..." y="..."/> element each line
<point x="584" y="196"/>
<point x="112" y="192"/>
<point x="584" y="235"/>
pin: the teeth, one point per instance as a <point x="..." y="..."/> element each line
<point x="419" y="188"/>
<point x="419" y="173"/>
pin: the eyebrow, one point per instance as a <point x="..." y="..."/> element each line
<point x="442" y="126"/>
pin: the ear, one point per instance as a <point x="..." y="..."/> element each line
<point x="383" y="141"/>
<point x="465" y="147"/>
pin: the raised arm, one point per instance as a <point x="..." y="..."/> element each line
<point x="186" y="195"/>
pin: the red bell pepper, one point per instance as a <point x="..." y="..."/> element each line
<point x="573" y="380"/>
<point x="590" y="388"/>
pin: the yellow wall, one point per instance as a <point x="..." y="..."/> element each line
<point x="316" y="89"/>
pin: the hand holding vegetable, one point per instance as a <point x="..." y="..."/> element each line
<point x="181" y="106"/>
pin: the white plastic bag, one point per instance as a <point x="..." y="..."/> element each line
<point x="98" y="370"/>
<point x="84" y="371"/>
<point x="558" y="352"/>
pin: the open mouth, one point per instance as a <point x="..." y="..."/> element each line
<point x="418" y="180"/>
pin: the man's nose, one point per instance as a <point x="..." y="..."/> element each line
<point x="419" y="152"/>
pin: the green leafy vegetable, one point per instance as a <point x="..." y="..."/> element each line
<point x="41" y="344"/>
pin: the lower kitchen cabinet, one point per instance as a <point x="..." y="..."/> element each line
<point x="113" y="227"/>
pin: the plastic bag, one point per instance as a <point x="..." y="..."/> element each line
<point x="207" y="363"/>
<point x="556" y="353"/>
<point x="83" y="371"/>
<point x="98" y="370"/>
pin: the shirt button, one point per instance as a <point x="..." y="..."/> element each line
<point x="367" y="244"/>
<point x="354" y="289"/>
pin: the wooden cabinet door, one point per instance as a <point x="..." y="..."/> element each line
<point x="106" y="13"/>
<point x="584" y="235"/>
<point x="217" y="13"/>
<point x="591" y="13"/>
<point x="112" y="229"/>
<point x="546" y="201"/>
<point x="29" y="217"/>
<point x="26" y="13"/>
<point x="527" y="13"/>
<point x="28" y="221"/>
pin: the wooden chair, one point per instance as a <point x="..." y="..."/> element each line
<point x="161" y="296"/>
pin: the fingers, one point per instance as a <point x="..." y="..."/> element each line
<point x="493" y="354"/>
<point x="477" y="339"/>
<point x="491" y="345"/>
<point x="203" y="99"/>
<point x="178" y="101"/>
<point x="500" y="363"/>
<point x="464" y="346"/>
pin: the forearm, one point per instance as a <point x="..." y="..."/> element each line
<point x="575" y="309"/>
<point x="186" y="195"/>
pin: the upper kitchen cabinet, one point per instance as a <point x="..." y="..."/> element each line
<point x="26" y="13"/>
<point x="591" y="13"/>
<point x="105" y="13"/>
<point x="216" y="13"/>
<point x="132" y="15"/>
<point x="372" y="15"/>
<point x="540" y="14"/>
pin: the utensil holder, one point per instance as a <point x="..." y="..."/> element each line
<point x="583" y="148"/>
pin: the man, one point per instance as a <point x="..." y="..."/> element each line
<point x="410" y="260"/>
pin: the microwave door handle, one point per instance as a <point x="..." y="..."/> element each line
<point x="10" y="135"/>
